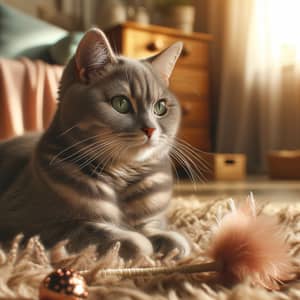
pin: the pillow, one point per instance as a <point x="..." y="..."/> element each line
<point x="24" y="35"/>
<point x="65" y="48"/>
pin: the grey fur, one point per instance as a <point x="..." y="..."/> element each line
<point x="90" y="177"/>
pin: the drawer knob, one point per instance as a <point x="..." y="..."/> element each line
<point x="185" y="110"/>
<point x="154" y="46"/>
<point x="159" y="45"/>
<point x="185" y="52"/>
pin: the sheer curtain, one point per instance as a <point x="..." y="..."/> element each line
<point x="256" y="76"/>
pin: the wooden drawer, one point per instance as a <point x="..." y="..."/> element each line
<point x="140" y="44"/>
<point x="195" y="111"/>
<point x="191" y="81"/>
<point x="197" y="137"/>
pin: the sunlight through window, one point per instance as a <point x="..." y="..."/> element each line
<point x="277" y="29"/>
<point x="285" y="21"/>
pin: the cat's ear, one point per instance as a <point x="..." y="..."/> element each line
<point x="165" y="61"/>
<point x="93" y="53"/>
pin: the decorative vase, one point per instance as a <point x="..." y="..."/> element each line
<point x="138" y="14"/>
<point x="110" y="13"/>
<point x="181" y="17"/>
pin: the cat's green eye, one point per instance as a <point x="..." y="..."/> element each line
<point x="160" y="107"/>
<point x="121" y="104"/>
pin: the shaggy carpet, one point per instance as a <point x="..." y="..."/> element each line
<point x="22" y="270"/>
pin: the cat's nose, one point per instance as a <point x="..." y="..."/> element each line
<point x="148" y="131"/>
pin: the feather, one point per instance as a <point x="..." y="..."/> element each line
<point x="251" y="246"/>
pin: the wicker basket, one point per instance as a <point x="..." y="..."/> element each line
<point x="284" y="164"/>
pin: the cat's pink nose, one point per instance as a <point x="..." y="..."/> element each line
<point x="148" y="131"/>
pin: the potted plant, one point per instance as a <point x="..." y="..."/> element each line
<point x="177" y="13"/>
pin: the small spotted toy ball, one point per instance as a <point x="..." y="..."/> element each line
<point x="63" y="284"/>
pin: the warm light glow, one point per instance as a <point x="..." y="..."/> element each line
<point x="285" y="21"/>
<point x="278" y="26"/>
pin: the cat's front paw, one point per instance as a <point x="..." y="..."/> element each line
<point x="166" y="241"/>
<point x="104" y="236"/>
<point x="134" y="245"/>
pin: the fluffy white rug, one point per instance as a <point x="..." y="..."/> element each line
<point x="22" y="270"/>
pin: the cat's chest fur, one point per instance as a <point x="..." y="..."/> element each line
<point x="138" y="191"/>
<point x="123" y="193"/>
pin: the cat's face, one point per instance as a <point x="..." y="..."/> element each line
<point x="124" y="103"/>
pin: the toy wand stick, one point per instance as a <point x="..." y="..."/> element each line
<point x="134" y="272"/>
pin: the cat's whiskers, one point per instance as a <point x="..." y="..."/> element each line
<point x="181" y="159"/>
<point x="125" y="137"/>
<point x="103" y="163"/>
<point x="106" y="160"/>
<point x="89" y="153"/>
<point x="190" y="157"/>
<point x="85" y="149"/>
<point x="184" y="160"/>
<point x="127" y="76"/>
<point x="68" y="130"/>
<point x="191" y="153"/>
<point x="103" y="135"/>
<point x="106" y="148"/>
<point x="197" y="152"/>
<point x="194" y="167"/>
<point x="88" y="161"/>
<point x="91" y="149"/>
<point x="119" y="150"/>
<point x="111" y="157"/>
<point x="110" y="150"/>
<point x="72" y="146"/>
<point x="174" y="168"/>
<point x="81" y="153"/>
<point x="169" y="143"/>
<point x="203" y="169"/>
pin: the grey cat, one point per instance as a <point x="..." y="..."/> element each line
<point x="101" y="172"/>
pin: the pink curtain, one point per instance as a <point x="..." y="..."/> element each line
<point x="28" y="93"/>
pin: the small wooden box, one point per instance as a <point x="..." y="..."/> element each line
<point x="229" y="166"/>
<point x="284" y="164"/>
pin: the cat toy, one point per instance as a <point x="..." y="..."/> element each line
<point x="63" y="284"/>
<point x="244" y="245"/>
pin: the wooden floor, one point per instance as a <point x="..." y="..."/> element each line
<point x="264" y="189"/>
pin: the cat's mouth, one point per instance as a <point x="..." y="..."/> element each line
<point x="141" y="147"/>
<point x="150" y="143"/>
<point x="147" y="144"/>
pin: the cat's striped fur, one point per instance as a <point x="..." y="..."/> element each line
<point x="94" y="176"/>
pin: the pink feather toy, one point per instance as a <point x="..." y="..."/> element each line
<point x="244" y="245"/>
<point x="251" y="246"/>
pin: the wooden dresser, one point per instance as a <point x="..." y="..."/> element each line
<point x="190" y="79"/>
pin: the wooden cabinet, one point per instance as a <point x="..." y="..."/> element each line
<point x="190" y="79"/>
